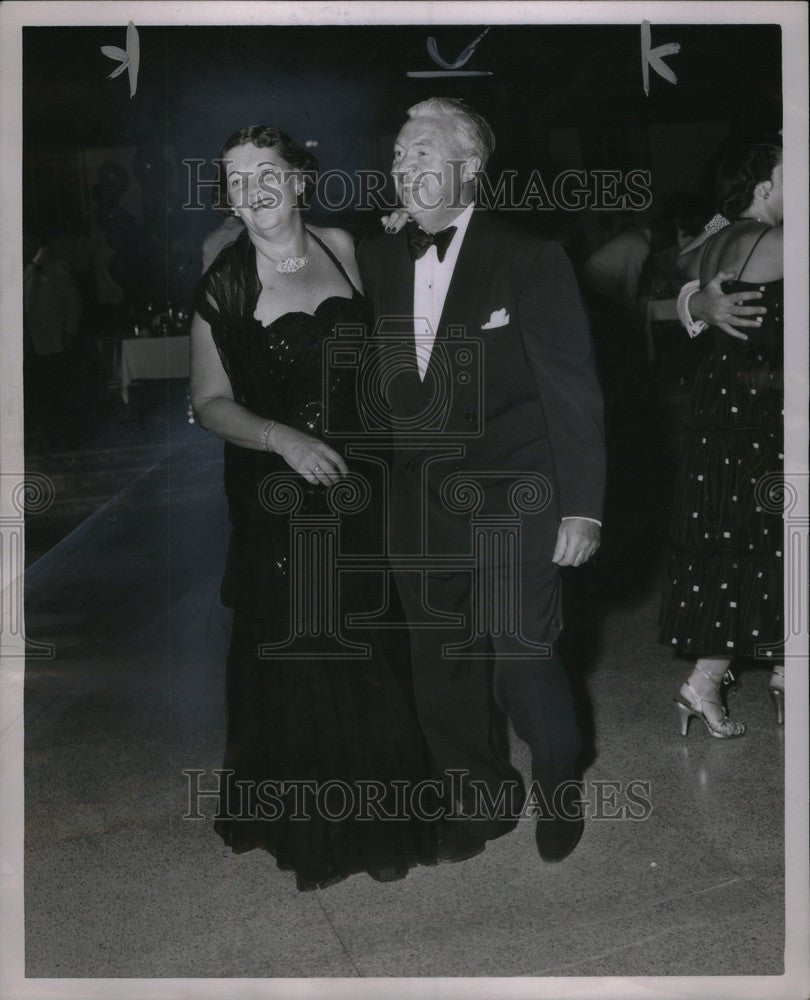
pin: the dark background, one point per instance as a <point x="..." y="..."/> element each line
<point x="559" y="97"/>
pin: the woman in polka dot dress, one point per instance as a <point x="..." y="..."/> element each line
<point x="723" y="589"/>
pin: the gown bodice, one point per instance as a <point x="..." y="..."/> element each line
<point x="768" y="338"/>
<point x="283" y="371"/>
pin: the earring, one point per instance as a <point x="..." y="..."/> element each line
<point x="766" y="195"/>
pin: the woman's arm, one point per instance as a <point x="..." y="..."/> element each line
<point x="217" y="411"/>
<point x="212" y="395"/>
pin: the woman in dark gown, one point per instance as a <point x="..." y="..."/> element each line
<point x="723" y="594"/>
<point x="325" y="725"/>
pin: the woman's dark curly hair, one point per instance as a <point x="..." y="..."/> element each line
<point x="741" y="169"/>
<point x="265" y="137"/>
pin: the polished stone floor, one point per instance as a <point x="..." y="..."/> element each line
<point x="118" y="884"/>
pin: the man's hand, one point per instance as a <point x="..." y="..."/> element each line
<point x="577" y="540"/>
<point x="712" y="306"/>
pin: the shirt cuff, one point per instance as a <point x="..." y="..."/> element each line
<point x="693" y="326"/>
<point x="581" y="518"/>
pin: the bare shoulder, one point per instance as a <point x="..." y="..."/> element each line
<point x="766" y="262"/>
<point x="339" y="240"/>
<point x="342" y="246"/>
<point x="740" y="248"/>
<point x="772" y="238"/>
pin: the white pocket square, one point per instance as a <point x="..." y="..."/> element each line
<point x="498" y="318"/>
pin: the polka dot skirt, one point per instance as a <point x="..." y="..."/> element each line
<point x="723" y="586"/>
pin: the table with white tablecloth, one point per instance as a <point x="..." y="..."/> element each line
<point x="153" y="357"/>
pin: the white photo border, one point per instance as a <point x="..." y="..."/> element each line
<point x="792" y="16"/>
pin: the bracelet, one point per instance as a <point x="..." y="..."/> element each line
<point x="715" y="224"/>
<point x="267" y="428"/>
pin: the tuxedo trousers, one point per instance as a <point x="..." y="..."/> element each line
<point x="464" y="700"/>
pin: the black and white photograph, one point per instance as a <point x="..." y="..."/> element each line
<point x="404" y="500"/>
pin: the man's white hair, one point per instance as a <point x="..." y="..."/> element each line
<point x="471" y="131"/>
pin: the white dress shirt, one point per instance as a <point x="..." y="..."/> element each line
<point x="431" y="282"/>
<point x="693" y="326"/>
<point x="432" y="279"/>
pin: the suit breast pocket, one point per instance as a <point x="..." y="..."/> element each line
<point x="498" y="320"/>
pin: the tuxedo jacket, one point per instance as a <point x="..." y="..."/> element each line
<point x="511" y="389"/>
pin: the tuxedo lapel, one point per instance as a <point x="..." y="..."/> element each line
<point x="396" y="295"/>
<point x="467" y="289"/>
<point x="471" y="278"/>
<point x="465" y="300"/>
<point x="466" y="297"/>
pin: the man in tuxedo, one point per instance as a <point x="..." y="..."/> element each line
<point x="492" y="384"/>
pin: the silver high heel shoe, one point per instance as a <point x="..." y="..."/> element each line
<point x="730" y="683"/>
<point x="690" y="703"/>
<point x="776" y="688"/>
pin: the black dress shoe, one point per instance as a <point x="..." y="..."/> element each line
<point x="557" y="835"/>
<point x="556" y="838"/>
<point x="458" y="845"/>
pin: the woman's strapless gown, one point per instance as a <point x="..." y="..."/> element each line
<point x="336" y="722"/>
<point x="723" y="588"/>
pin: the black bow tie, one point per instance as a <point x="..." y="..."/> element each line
<point x="419" y="240"/>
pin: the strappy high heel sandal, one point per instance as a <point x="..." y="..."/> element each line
<point x="730" y="683"/>
<point x="690" y="703"/>
<point x="776" y="689"/>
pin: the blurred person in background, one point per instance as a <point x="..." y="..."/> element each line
<point x="52" y="310"/>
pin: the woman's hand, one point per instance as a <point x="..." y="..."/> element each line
<point x="311" y="458"/>
<point x="396" y="220"/>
